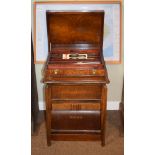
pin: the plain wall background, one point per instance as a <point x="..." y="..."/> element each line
<point x="115" y="73"/>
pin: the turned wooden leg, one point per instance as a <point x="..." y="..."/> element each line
<point x="48" y="115"/>
<point x="103" y="113"/>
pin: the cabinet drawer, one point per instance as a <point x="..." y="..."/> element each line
<point x="76" y="72"/>
<point x="75" y="120"/>
<point x="75" y="106"/>
<point x="76" y="91"/>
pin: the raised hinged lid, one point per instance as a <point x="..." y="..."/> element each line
<point x="75" y="29"/>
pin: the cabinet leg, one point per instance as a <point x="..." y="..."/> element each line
<point x="103" y="114"/>
<point x="48" y="115"/>
<point x="103" y="130"/>
<point x="48" y="127"/>
<point x="103" y="139"/>
<point x="103" y="143"/>
<point x="48" y="142"/>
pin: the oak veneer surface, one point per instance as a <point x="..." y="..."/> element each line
<point x="74" y="27"/>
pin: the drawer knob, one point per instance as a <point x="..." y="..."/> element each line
<point x="56" y="71"/>
<point x="94" y="71"/>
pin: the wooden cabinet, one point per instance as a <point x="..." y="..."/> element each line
<point x="78" y="110"/>
<point x="75" y="77"/>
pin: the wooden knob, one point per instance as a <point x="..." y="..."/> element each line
<point x="94" y="71"/>
<point x="56" y="71"/>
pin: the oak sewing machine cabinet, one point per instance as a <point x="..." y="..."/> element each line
<point x="75" y="76"/>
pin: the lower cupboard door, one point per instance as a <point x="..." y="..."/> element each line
<point x="75" y="121"/>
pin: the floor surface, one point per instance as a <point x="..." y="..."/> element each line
<point x="114" y="141"/>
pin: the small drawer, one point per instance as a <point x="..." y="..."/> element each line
<point x="83" y="72"/>
<point x="76" y="72"/>
<point x="75" y="120"/>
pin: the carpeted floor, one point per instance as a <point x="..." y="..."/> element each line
<point x="114" y="141"/>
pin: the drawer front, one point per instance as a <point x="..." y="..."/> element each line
<point x="76" y="91"/>
<point x="75" y="106"/>
<point x="84" y="72"/>
<point x="90" y="79"/>
<point x="75" y="120"/>
<point x="75" y="72"/>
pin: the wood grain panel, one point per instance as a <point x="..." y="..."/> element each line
<point x="74" y="27"/>
<point x="76" y="106"/>
<point x="76" y="92"/>
<point x="76" y="120"/>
